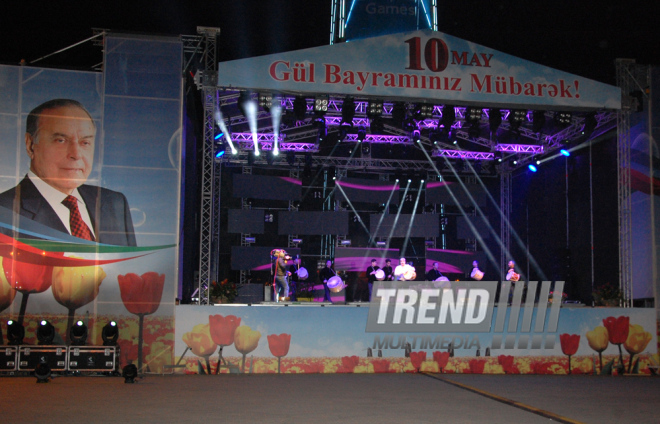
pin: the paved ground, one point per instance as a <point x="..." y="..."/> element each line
<point x="336" y="398"/>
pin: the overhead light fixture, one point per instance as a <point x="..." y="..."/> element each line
<point x="15" y="333"/>
<point x="516" y="118"/>
<point x="130" y="373"/>
<point x="345" y="242"/>
<point x="565" y="152"/>
<point x="416" y="136"/>
<point x="221" y="150"/>
<point x="374" y="108"/>
<point x="532" y="168"/>
<point x="296" y="241"/>
<point x="348" y="111"/>
<point x="110" y="334"/>
<point x="538" y="120"/>
<point x="473" y="114"/>
<point x="265" y="101"/>
<point x="78" y="334"/>
<point x="321" y="105"/>
<point x="45" y="333"/>
<point x="563" y="119"/>
<point x="381" y="244"/>
<point x="300" y="108"/>
<point x="423" y="111"/>
<point x="250" y="239"/>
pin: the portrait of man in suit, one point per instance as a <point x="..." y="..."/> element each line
<point x="60" y="137"/>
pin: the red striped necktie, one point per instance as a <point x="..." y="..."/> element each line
<point x="78" y="227"/>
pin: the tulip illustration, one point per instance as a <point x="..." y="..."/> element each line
<point x="416" y="358"/>
<point x="222" y="332"/>
<point x="141" y="296"/>
<point x="245" y="341"/>
<point x="617" y="329"/>
<point x="381" y="365"/>
<point x="442" y="358"/>
<point x="569" y="345"/>
<point x="199" y="341"/>
<point x="598" y="340"/>
<point x="506" y="361"/>
<point x="7" y="293"/>
<point x="74" y="287"/>
<point x="477" y="366"/>
<point x="350" y="362"/>
<point x="27" y="278"/>
<point x="279" y="346"/>
<point x="637" y="341"/>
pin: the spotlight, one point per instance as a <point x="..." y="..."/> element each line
<point x="532" y="167"/>
<point x="129" y="372"/>
<point x="516" y="118"/>
<point x="345" y="242"/>
<point x="374" y="109"/>
<point x="221" y="150"/>
<point x="348" y="111"/>
<point x="110" y="334"/>
<point x="321" y="105"/>
<point x="42" y="372"/>
<point x="15" y="333"/>
<point x="265" y="101"/>
<point x="448" y="117"/>
<point x="494" y="119"/>
<point x="300" y="108"/>
<point x="416" y="136"/>
<point x="423" y="111"/>
<point x="538" y="120"/>
<point x="78" y="334"/>
<point x="473" y="114"/>
<point x="565" y="152"/>
<point x="563" y="119"/>
<point x="45" y="333"/>
<point x="291" y="157"/>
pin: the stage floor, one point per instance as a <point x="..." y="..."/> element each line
<point x="342" y="398"/>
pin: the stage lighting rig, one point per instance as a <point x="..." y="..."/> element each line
<point x="45" y="333"/>
<point x="423" y="111"/>
<point x="265" y="101"/>
<point x="348" y="111"/>
<point x="110" y="334"/>
<point x="130" y="373"/>
<point x="563" y="119"/>
<point x="516" y="118"/>
<point x="42" y="372"/>
<point x="374" y="109"/>
<point x="473" y="114"/>
<point x="321" y="105"/>
<point x="78" y="334"/>
<point x="15" y="333"/>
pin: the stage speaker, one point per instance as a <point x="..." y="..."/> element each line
<point x="31" y="356"/>
<point x="92" y="358"/>
<point x="8" y="358"/>
<point x="250" y="293"/>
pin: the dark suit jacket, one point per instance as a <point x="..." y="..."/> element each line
<point x="108" y="210"/>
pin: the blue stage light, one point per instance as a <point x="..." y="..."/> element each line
<point x="532" y="167"/>
<point x="219" y="135"/>
<point x="220" y="153"/>
<point x="565" y="152"/>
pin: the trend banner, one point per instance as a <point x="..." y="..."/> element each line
<point x="422" y="64"/>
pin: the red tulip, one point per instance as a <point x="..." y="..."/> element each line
<point x="477" y="366"/>
<point x="279" y="344"/>
<point x="350" y="362"/>
<point x="617" y="329"/>
<point x="569" y="343"/>
<point x="381" y="365"/>
<point x="417" y="358"/>
<point x="442" y="358"/>
<point x="506" y="361"/>
<point x="26" y="277"/>
<point x="223" y="329"/>
<point x="141" y="294"/>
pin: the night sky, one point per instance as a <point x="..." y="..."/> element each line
<point x="583" y="38"/>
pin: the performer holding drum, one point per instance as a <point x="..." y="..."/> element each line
<point x="434" y="273"/>
<point x="476" y="273"/>
<point x="404" y="272"/>
<point x="371" y="276"/>
<point x="327" y="276"/>
<point x="387" y="270"/>
<point x="511" y="274"/>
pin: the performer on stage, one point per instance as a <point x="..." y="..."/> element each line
<point x="326" y="274"/>
<point x="511" y="274"/>
<point x="387" y="269"/>
<point x="371" y="276"/>
<point x="293" y="279"/>
<point x="434" y="273"/>
<point x="404" y="272"/>
<point x="476" y="273"/>
<point x="281" y="273"/>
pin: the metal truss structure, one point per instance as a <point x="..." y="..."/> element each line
<point x="520" y="148"/>
<point x="462" y="154"/>
<point x="630" y="77"/>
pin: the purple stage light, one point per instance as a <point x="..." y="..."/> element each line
<point x="366" y="187"/>
<point x="520" y="148"/>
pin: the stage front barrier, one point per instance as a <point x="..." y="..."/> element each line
<point x="468" y="332"/>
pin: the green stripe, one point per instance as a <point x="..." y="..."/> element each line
<point x="54" y="246"/>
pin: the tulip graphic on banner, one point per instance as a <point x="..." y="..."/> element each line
<point x="598" y="340"/>
<point x="74" y="287"/>
<point x="279" y="346"/>
<point x="617" y="330"/>
<point x="199" y="341"/>
<point x="141" y="296"/>
<point x="7" y="293"/>
<point x="569" y="345"/>
<point x="442" y="358"/>
<point x="637" y="341"/>
<point x="27" y="278"/>
<point x="222" y="332"/>
<point x="245" y="341"/>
